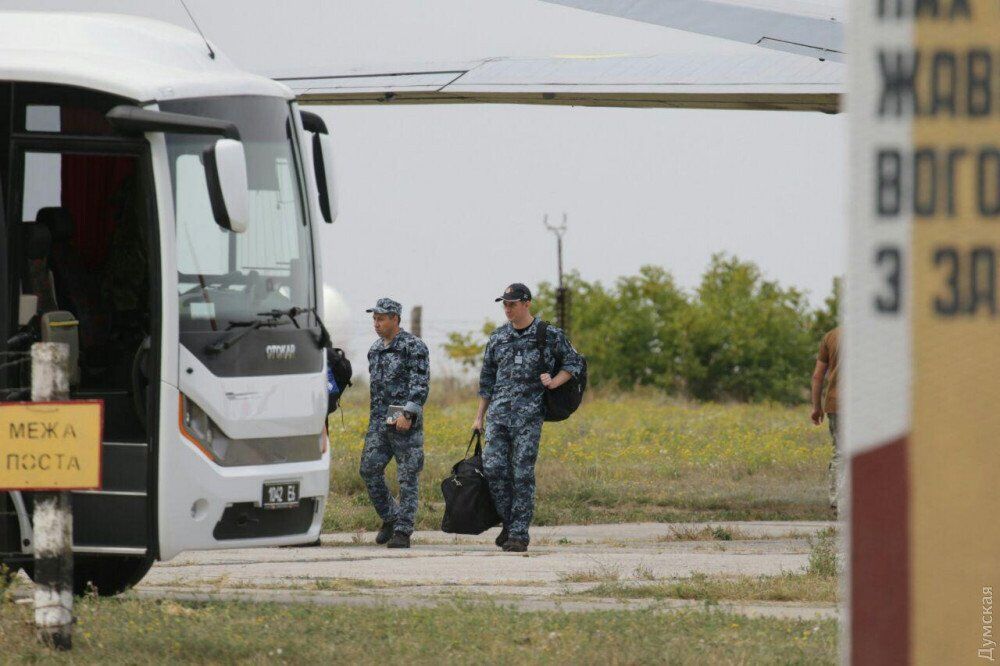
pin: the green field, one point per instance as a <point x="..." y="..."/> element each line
<point x="625" y="458"/>
<point x="130" y="631"/>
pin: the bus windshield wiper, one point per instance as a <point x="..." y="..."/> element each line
<point x="228" y="339"/>
<point x="292" y="313"/>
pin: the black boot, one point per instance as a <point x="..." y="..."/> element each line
<point x="399" y="540"/>
<point x="385" y="533"/>
<point x="515" y="546"/>
<point x="502" y="538"/>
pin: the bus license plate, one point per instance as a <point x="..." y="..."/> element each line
<point x="284" y="495"/>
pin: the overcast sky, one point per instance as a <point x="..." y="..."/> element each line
<point x="442" y="205"/>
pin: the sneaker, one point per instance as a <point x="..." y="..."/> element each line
<point x="399" y="540"/>
<point x="502" y="539"/>
<point x="515" y="546"/>
<point x="385" y="533"/>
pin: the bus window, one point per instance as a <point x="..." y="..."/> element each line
<point x="42" y="118"/>
<point x="42" y="183"/>
<point x="202" y="246"/>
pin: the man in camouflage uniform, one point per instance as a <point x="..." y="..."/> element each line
<point x="399" y="376"/>
<point x="515" y="374"/>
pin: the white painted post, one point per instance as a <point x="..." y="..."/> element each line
<point x="53" y="515"/>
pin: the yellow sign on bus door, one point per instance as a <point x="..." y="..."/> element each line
<point x="51" y="445"/>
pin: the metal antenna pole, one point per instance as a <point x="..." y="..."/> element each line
<point x="562" y="297"/>
<point x="416" y="321"/>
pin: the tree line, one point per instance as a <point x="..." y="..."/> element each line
<point x="737" y="336"/>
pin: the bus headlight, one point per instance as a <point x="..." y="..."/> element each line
<point x="197" y="427"/>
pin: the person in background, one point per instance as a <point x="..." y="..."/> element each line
<point x="827" y="361"/>
<point x="400" y="377"/>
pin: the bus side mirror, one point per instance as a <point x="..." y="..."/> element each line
<point x="226" y="175"/>
<point x="322" y="149"/>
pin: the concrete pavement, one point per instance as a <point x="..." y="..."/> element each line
<point x="560" y="570"/>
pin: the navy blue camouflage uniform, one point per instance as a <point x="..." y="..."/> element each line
<point x="399" y="375"/>
<point x="510" y="381"/>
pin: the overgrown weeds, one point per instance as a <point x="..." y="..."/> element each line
<point x="706" y="533"/>
<point x="823" y="555"/>
<point x="599" y="574"/>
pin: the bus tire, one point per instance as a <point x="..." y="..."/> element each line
<point x="107" y="575"/>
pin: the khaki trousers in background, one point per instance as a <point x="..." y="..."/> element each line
<point x="835" y="472"/>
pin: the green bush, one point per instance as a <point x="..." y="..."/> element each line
<point x="750" y="339"/>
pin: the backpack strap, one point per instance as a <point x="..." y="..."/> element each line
<point x="540" y="332"/>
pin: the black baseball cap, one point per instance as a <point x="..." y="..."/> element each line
<point x="515" y="292"/>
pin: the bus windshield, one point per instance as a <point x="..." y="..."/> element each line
<point x="226" y="279"/>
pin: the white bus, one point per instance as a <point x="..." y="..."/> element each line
<point x="168" y="204"/>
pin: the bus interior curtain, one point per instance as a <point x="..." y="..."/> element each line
<point x="90" y="188"/>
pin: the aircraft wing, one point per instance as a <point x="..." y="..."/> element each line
<point x="754" y="80"/>
<point x="805" y="27"/>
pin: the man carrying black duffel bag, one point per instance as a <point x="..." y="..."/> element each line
<point x="518" y="369"/>
<point x="468" y="506"/>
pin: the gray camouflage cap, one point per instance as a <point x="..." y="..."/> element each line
<point x="386" y="306"/>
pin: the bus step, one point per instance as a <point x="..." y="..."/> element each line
<point x="115" y="519"/>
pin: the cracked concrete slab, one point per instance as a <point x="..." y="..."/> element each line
<point x="441" y="567"/>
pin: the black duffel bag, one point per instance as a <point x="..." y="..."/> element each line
<point x="468" y="505"/>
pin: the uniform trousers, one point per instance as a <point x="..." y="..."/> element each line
<point x="509" y="465"/>
<point x="381" y="445"/>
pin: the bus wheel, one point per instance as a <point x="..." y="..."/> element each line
<point x="108" y="575"/>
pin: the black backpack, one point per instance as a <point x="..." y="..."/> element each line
<point x="468" y="505"/>
<point x="340" y="367"/>
<point x="561" y="402"/>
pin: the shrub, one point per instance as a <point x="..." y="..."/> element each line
<point x="737" y="337"/>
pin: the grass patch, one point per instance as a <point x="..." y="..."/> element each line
<point x="707" y="533"/>
<point x="599" y="575"/>
<point x="643" y="572"/>
<point x="344" y="584"/>
<point x="785" y="587"/>
<point x="626" y="458"/>
<point x="145" y="632"/>
<point x="6" y="578"/>
<point x="823" y="558"/>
